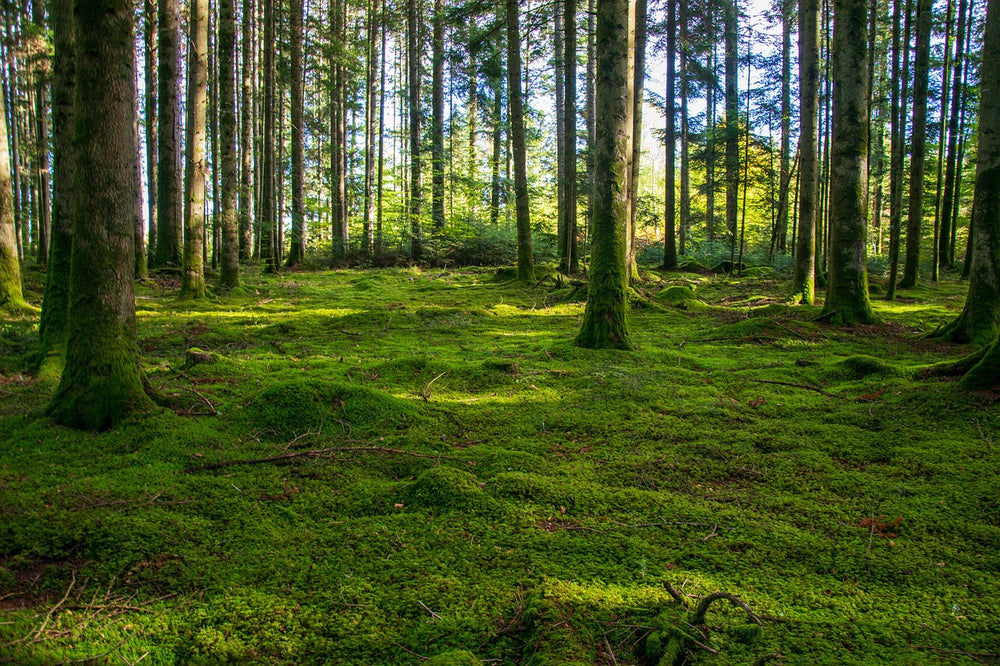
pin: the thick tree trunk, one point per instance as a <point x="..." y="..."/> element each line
<point x="605" y="321"/>
<point x="804" y="281"/>
<point x="193" y="278"/>
<point x="168" y="178"/>
<point x="847" y="290"/>
<point x="296" y="249"/>
<point x="230" y="250"/>
<point x="525" y="260"/>
<point x="101" y="382"/>
<point x="55" y="304"/>
<point x="915" y="217"/>
<point x="11" y="295"/>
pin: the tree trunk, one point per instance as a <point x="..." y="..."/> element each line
<point x="168" y="153"/>
<point x="437" y="113"/>
<point x="590" y="110"/>
<point x="230" y="251"/>
<point x="638" y="70"/>
<point x="670" y="138"/>
<point x="946" y="251"/>
<point x="296" y="249"/>
<point x="684" y="223"/>
<point x="732" y="122"/>
<point x="10" y="268"/>
<point x="246" y="187"/>
<point x="847" y="289"/>
<point x="498" y="142"/>
<point x="570" y="260"/>
<point x="804" y="281"/>
<point x="267" y="213"/>
<point x="413" y="75"/>
<point x="193" y="278"/>
<point x="55" y="304"/>
<point x="525" y="261"/>
<point x="937" y="261"/>
<point x="371" y="127"/>
<point x="901" y="77"/>
<point x="784" y="171"/>
<point x="559" y="66"/>
<point x="101" y="382"/>
<point x="150" y="71"/>
<point x="43" y="223"/>
<point x="710" y="132"/>
<point x="605" y="321"/>
<point x="921" y="70"/>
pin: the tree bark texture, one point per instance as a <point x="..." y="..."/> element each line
<point x="804" y="280"/>
<point x="525" y="260"/>
<point x="168" y="151"/>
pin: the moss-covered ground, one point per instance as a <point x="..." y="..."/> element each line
<point x="431" y="470"/>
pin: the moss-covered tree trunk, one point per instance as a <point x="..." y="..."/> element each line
<point x="437" y="118"/>
<point x="55" y="304"/>
<point x="193" y="278"/>
<point x="525" y="259"/>
<point x="847" y="290"/>
<point x="605" y="322"/>
<point x="101" y="382"/>
<point x="804" y="280"/>
<point x="980" y="317"/>
<point x="168" y="149"/>
<point x="10" y="268"/>
<point x="230" y="255"/>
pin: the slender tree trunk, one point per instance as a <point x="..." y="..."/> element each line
<point x="44" y="221"/>
<point x="381" y="135"/>
<point x="732" y="122"/>
<point x="685" y="212"/>
<point x="55" y="304"/>
<point x="296" y="250"/>
<point x="150" y="71"/>
<point x="413" y="73"/>
<point x="590" y="110"/>
<point x="710" y="156"/>
<point x="230" y="251"/>
<point x="371" y="127"/>
<point x="901" y="78"/>
<point x="784" y="172"/>
<point x="267" y="212"/>
<point x="141" y="267"/>
<point x="193" y="279"/>
<point x="168" y="153"/>
<point x="498" y="142"/>
<point x="605" y="321"/>
<point x="921" y="70"/>
<point x="804" y="281"/>
<point x="670" y="138"/>
<point x="559" y="66"/>
<point x="946" y="251"/>
<point x="942" y="136"/>
<point x="570" y="260"/>
<point x="437" y="113"/>
<point x="638" y="70"/>
<point x="101" y="382"/>
<point x="246" y="186"/>
<point x="525" y="261"/>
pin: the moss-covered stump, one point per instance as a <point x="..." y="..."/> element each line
<point x="286" y="409"/>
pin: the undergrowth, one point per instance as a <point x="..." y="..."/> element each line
<point x="388" y="466"/>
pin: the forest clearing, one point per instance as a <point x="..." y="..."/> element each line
<point x="386" y="466"/>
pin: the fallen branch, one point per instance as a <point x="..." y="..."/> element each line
<point x="808" y="387"/>
<point x="318" y="453"/>
<point x="202" y="396"/>
<point x="975" y="656"/>
<point x="699" y="612"/>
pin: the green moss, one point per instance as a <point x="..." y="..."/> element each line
<point x="454" y="658"/>
<point x="445" y="489"/>
<point x="680" y="296"/>
<point x="862" y="365"/>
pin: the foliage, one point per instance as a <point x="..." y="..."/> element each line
<point x="478" y="488"/>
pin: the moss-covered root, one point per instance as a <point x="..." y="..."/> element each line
<point x="670" y="645"/>
<point x="977" y="325"/>
<point x="986" y="372"/>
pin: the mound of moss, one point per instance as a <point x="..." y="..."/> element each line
<point x="680" y="297"/>
<point x="445" y="489"/>
<point x="453" y="658"/>
<point x="285" y="409"/>
<point x="862" y="365"/>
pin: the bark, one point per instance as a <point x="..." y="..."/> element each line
<point x="605" y="321"/>
<point x="804" y="281"/>
<point x="149" y="35"/>
<point x="590" y="109"/>
<point x="44" y="219"/>
<point x="11" y="295"/>
<point x="921" y="70"/>
<point x="267" y="211"/>
<point x="900" y="77"/>
<point x="710" y="154"/>
<point x="498" y="142"/>
<point x="193" y="277"/>
<point x="437" y="117"/>
<point x="936" y="253"/>
<point x="637" y="67"/>
<point x="101" y="382"/>
<point x="847" y="290"/>
<point x="55" y="304"/>
<point x="413" y="76"/>
<point x="670" y="177"/>
<point x="296" y="249"/>
<point x="525" y="261"/>
<point x="570" y="260"/>
<point x="732" y="121"/>
<point x="946" y="251"/>
<point x="168" y="152"/>
<point x="230" y="252"/>
<point x="979" y="321"/>
<point x="784" y="170"/>
<point x="246" y="187"/>
<point x="684" y="222"/>
<point x="559" y="66"/>
<point x="371" y="127"/>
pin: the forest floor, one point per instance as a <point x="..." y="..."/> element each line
<point x="406" y="466"/>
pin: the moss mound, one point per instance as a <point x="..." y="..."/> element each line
<point x="681" y="297"/>
<point x="445" y="489"/>
<point x="754" y="327"/>
<point x="758" y="272"/>
<point x="289" y="408"/>
<point x="862" y="365"/>
<point x="453" y="658"/>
